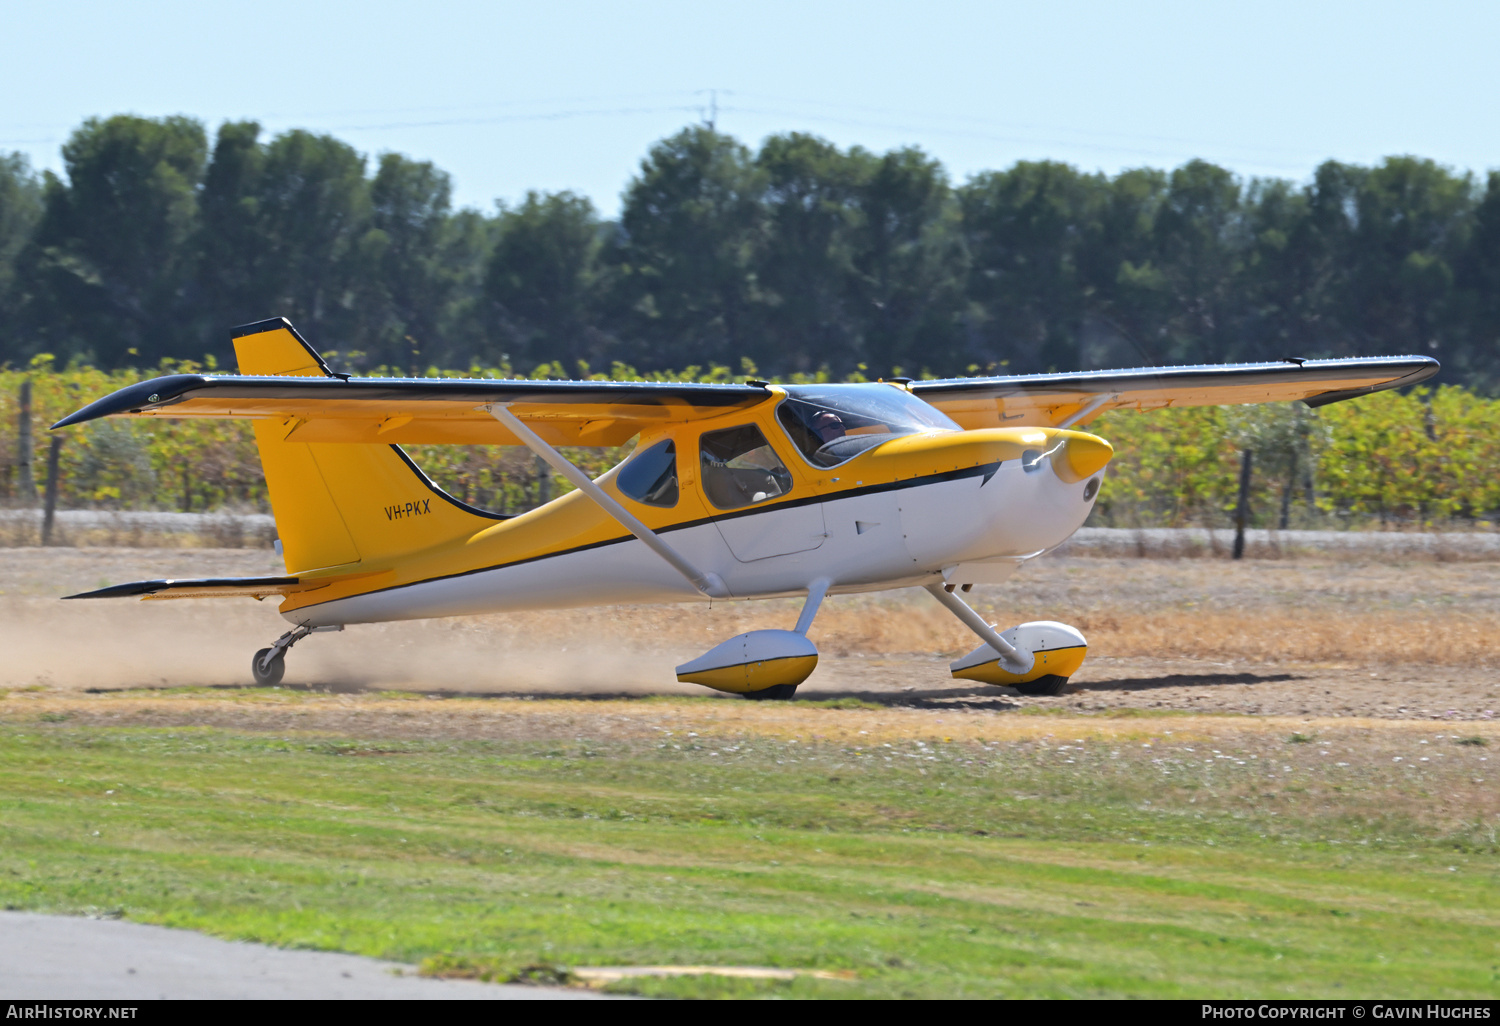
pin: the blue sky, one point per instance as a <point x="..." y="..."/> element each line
<point x="569" y="94"/>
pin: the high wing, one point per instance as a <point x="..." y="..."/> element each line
<point x="286" y="381"/>
<point x="428" y="411"/>
<point x="1066" y="400"/>
<point x="294" y="387"/>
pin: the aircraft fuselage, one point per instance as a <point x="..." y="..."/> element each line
<point x="899" y="514"/>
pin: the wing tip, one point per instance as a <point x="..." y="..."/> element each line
<point x="1425" y="369"/>
<point x="133" y="398"/>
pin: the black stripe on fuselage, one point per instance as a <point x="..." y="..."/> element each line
<point x="984" y="470"/>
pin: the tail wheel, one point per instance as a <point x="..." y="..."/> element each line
<point x="774" y="693"/>
<point x="1051" y="684"/>
<point x="267" y="673"/>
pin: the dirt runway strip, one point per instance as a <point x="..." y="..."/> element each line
<point x="1295" y="638"/>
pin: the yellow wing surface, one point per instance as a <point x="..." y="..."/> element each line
<point x="1074" y="399"/>
<point x="283" y="381"/>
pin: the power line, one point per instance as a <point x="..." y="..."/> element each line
<point x="505" y="104"/>
<point x="927" y="117"/>
<point x="561" y="115"/>
<point x="832" y="113"/>
<point x="990" y="136"/>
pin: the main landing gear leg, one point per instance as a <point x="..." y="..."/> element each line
<point x="269" y="664"/>
<point x="1034" y="658"/>
<point x="761" y="664"/>
<point x="785" y="692"/>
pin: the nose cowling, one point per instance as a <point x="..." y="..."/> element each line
<point x="1033" y="493"/>
<point x="1074" y="455"/>
<point x="1081" y="456"/>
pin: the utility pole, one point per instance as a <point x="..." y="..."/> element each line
<point x="711" y="113"/>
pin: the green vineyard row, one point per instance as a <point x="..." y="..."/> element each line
<point x="1428" y="456"/>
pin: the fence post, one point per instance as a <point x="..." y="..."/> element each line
<point x="543" y="482"/>
<point x="26" y="486"/>
<point x="1242" y="508"/>
<point x="1286" y="494"/>
<point x="53" y="449"/>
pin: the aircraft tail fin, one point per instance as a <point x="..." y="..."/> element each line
<point x="341" y="504"/>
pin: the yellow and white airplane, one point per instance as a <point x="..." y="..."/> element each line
<point x="733" y="491"/>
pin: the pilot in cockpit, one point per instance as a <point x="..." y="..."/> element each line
<point x="829" y="426"/>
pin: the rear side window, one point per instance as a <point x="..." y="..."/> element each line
<point x="740" y="468"/>
<point x="650" y="476"/>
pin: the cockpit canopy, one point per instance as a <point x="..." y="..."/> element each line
<point x="832" y="424"/>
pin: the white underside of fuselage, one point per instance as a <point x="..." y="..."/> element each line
<point x="901" y="535"/>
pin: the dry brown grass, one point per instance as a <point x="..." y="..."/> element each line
<point x="1435" y="637"/>
<point x="1449" y="639"/>
<point x="415" y="716"/>
<point x="1438" y="639"/>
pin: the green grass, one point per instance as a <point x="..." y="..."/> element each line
<point x="934" y="870"/>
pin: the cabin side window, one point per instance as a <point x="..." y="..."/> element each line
<point x="740" y="468"/>
<point x="650" y="476"/>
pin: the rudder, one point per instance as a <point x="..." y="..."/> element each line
<point x="338" y="504"/>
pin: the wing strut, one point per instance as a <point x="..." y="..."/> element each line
<point x="1088" y="408"/>
<point x="708" y="583"/>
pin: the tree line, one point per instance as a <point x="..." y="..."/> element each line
<point x="795" y="257"/>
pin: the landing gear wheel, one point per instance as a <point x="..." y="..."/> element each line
<point x="774" y="693"/>
<point x="267" y="674"/>
<point x="1051" y="684"/>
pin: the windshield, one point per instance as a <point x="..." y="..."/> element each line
<point x="831" y="424"/>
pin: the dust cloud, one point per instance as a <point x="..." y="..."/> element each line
<point x="124" y="644"/>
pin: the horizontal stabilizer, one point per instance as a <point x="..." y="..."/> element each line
<point x="210" y="587"/>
